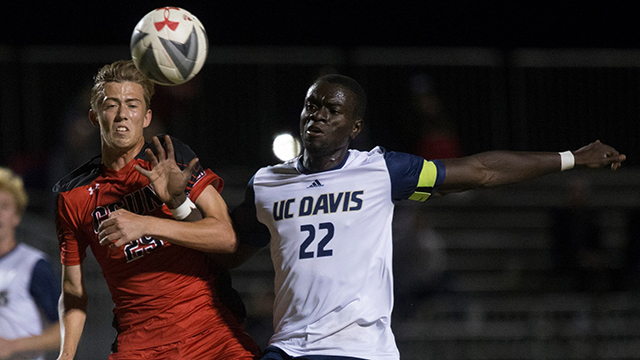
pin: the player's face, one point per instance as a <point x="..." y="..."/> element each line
<point x="9" y="218"/>
<point x="122" y="116"/>
<point x="326" y="122"/>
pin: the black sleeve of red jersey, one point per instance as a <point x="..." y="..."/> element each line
<point x="248" y="229"/>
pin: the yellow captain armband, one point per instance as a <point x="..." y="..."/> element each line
<point x="426" y="182"/>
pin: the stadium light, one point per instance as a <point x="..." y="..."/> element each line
<point x="286" y="147"/>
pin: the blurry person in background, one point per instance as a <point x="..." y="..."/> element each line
<point x="29" y="288"/>
<point x="437" y="132"/>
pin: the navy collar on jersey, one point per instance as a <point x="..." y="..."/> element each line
<point x="306" y="171"/>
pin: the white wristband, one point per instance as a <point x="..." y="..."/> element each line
<point x="182" y="211"/>
<point x="567" y="160"/>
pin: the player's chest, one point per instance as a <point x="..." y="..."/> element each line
<point x="324" y="196"/>
<point x="104" y="198"/>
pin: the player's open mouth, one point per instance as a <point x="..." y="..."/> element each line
<point x="314" y="130"/>
<point x="121" y="129"/>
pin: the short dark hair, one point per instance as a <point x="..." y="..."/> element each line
<point x="353" y="86"/>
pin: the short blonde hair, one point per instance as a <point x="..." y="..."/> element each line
<point x="120" y="71"/>
<point x="12" y="183"/>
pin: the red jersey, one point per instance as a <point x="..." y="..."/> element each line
<point x="163" y="293"/>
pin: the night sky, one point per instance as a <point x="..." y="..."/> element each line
<point x="496" y="24"/>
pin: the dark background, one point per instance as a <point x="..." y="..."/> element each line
<point x="232" y="110"/>
<point x="502" y="24"/>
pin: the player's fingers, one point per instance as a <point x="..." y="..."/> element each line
<point x="143" y="171"/>
<point x="159" y="149"/>
<point x="118" y="243"/>
<point x="106" y="236"/>
<point x="617" y="164"/>
<point x="192" y="165"/>
<point x="611" y="156"/>
<point x="105" y="241"/>
<point x="105" y="224"/>
<point x="109" y="225"/>
<point x="152" y="158"/>
<point x="169" y="146"/>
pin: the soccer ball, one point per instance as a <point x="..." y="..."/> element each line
<point x="169" y="45"/>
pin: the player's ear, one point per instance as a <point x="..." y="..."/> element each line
<point x="357" y="128"/>
<point x="94" y="118"/>
<point x="147" y="118"/>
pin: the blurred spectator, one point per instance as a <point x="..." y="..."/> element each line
<point x="577" y="249"/>
<point x="29" y="288"/>
<point x="437" y="133"/>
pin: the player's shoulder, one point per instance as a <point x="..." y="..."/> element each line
<point x="183" y="153"/>
<point x="287" y="168"/>
<point x="393" y="157"/>
<point x="177" y="143"/>
<point x="377" y="154"/>
<point x="27" y="252"/>
<point x="396" y="163"/>
<point x="83" y="175"/>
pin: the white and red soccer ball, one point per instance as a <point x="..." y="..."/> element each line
<point x="169" y="45"/>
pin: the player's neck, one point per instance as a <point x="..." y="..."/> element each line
<point x="117" y="159"/>
<point x="317" y="163"/>
<point x="7" y="243"/>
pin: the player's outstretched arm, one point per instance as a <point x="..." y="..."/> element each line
<point x="72" y="309"/>
<point x="212" y="233"/>
<point x="496" y="168"/>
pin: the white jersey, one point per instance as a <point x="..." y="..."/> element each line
<point x="28" y="293"/>
<point x="331" y="247"/>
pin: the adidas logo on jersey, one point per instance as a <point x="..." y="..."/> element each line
<point x="315" y="184"/>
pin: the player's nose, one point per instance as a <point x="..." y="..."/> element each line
<point x="121" y="114"/>
<point x="322" y="114"/>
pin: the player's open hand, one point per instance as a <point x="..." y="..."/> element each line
<point x="120" y="228"/>
<point x="598" y="154"/>
<point x="169" y="182"/>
